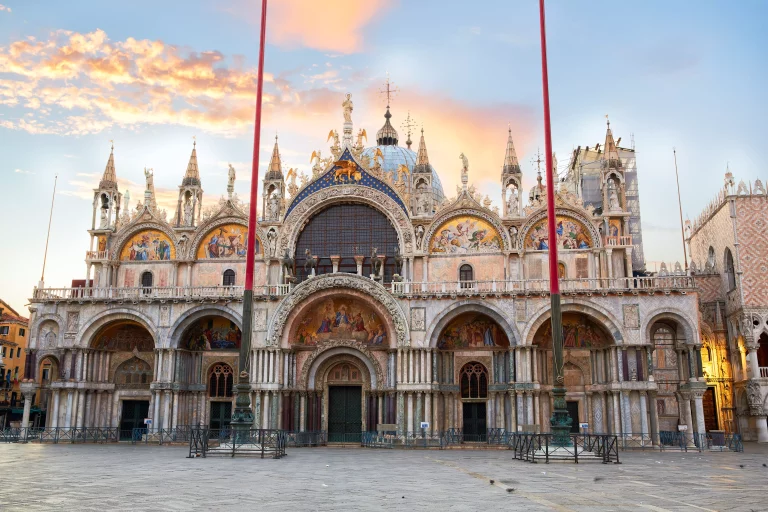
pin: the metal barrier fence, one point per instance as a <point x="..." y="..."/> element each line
<point x="538" y="447"/>
<point x="412" y="440"/>
<point x="307" y="439"/>
<point x="205" y="442"/>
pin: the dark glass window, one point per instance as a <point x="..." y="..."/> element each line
<point x="146" y="280"/>
<point x="347" y="230"/>
<point x="466" y="276"/>
<point x="229" y="277"/>
<point x="474" y="381"/>
<point x="220" y="381"/>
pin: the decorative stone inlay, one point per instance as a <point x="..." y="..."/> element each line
<point x="300" y="215"/>
<point x="338" y="281"/>
<point x="520" y="313"/>
<point x="360" y="347"/>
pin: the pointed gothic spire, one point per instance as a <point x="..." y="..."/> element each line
<point x="612" y="160"/>
<point x="511" y="165"/>
<point x="109" y="179"/>
<point x="422" y="159"/>
<point x="275" y="170"/>
<point x="192" y="176"/>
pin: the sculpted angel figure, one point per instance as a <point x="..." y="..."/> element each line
<point x="347" y="106"/>
<point x="464" y="169"/>
<point x="230" y="181"/>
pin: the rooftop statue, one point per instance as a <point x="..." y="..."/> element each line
<point x="347" y="106"/>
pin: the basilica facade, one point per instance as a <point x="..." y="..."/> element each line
<point x="379" y="299"/>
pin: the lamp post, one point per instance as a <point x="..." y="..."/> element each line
<point x="560" y="421"/>
<point x="242" y="417"/>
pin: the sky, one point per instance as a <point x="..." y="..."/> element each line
<point x="150" y="76"/>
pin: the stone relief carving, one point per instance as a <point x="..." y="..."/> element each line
<point x="335" y="281"/>
<point x="754" y="398"/>
<point x="73" y="321"/>
<point x="418" y="319"/>
<point x="631" y="316"/>
<point x="342" y="343"/>
<point x="259" y="320"/>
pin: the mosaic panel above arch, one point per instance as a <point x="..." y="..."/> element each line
<point x="341" y="318"/>
<point x="472" y="330"/>
<point x="571" y="234"/>
<point x="579" y="332"/>
<point x="465" y="234"/>
<point x="124" y="337"/>
<point x="212" y="333"/>
<point x="229" y="241"/>
<point x="148" y="245"/>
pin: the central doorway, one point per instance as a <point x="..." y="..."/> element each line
<point x="573" y="412"/>
<point x="345" y="414"/>
<point x="474" y="430"/>
<point x="221" y="415"/>
<point x="134" y="413"/>
<point x="710" y="410"/>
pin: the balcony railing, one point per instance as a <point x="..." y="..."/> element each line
<point x="625" y="240"/>
<point x="542" y="285"/>
<point x="96" y="255"/>
<point x="764" y="372"/>
<point x="155" y="292"/>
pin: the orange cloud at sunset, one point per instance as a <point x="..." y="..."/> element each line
<point x="330" y="25"/>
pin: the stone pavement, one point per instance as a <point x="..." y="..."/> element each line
<point x="125" y="477"/>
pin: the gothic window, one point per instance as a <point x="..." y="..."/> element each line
<point x="344" y="373"/>
<point x="474" y="381"/>
<point x="730" y="272"/>
<point x="134" y="373"/>
<point x="711" y="258"/>
<point x="146" y="279"/>
<point x="466" y="276"/>
<point x="347" y="230"/>
<point x="229" y="277"/>
<point x="220" y="381"/>
<point x="665" y="363"/>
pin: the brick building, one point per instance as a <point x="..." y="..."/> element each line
<point x="14" y="332"/>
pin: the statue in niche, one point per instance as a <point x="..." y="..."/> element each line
<point x="613" y="197"/>
<point x="347" y="106"/>
<point x="104" y="224"/>
<point x="274" y="207"/>
<point x="188" y="212"/>
<point x="512" y="200"/>
<point x="272" y="242"/>
<point x="513" y="236"/>
<point x="419" y="235"/>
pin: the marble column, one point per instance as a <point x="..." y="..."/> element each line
<point x="643" y="413"/>
<point x="616" y="413"/>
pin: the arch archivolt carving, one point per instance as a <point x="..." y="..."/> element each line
<point x="352" y="351"/>
<point x="321" y="375"/>
<point x="192" y="315"/>
<point x="471" y="306"/>
<point x="190" y="251"/>
<point x="562" y="212"/>
<point x="489" y="217"/>
<point x="132" y="229"/>
<point x="306" y="209"/>
<point x="41" y="331"/>
<point x="692" y="335"/>
<point x="294" y="304"/>
<point x="92" y="326"/>
<point x="571" y="305"/>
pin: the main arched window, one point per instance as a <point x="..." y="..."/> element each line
<point x="229" y="277"/>
<point x="146" y="279"/>
<point x="347" y="230"/>
<point x="220" y="381"/>
<point x="134" y="373"/>
<point x="730" y="271"/>
<point x="474" y="381"/>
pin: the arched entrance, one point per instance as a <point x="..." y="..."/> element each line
<point x="473" y="382"/>
<point x="345" y="402"/>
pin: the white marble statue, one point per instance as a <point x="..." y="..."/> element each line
<point x="613" y="197"/>
<point x="347" y="106"/>
<point x="231" y="181"/>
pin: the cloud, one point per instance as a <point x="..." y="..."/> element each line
<point x="21" y="171"/>
<point x="335" y="26"/>
<point x="5" y="8"/>
<point x="77" y="84"/>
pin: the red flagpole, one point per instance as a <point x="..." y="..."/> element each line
<point x="252" y="215"/>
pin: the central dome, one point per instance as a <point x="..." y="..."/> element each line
<point x="395" y="156"/>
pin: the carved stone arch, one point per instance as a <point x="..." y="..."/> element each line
<point x="585" y="372"/>
<point x="186" y="319"/>
<point x="131" y="229"/>
<point x="689" y="331"/>
<point x="37" y="340"/>
<point x="487" y="308"/>
<point x="291" y="305"/>
<point x="42" y="356"/>
<point x="600" y="315"/>
<point x="93" y="325"/>
<point x="614" y="175"/>
<point x="490" y="217"/>
<point x="211" y="224"/>
<point x="563" y="212"/>
<point x="320" y="376"/>
<point x="313" y="204"/>
<point x="358" y="350"/>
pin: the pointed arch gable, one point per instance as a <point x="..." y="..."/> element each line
<point x="583" y="224"/>
<point x="487" y="308"/>
<point x="487" y="218"/>
<point x="151" y="226"/>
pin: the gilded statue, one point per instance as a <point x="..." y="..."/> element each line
<point x="347" y="106"/>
